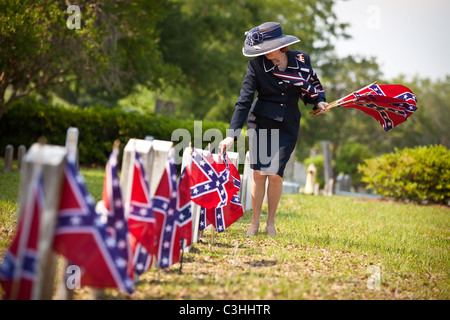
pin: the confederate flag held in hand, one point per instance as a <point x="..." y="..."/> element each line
<point x="81" y="237"/>
<point x="389" y="104"/>
<point x="172" y="209"/>
<point x="18" y="270"/>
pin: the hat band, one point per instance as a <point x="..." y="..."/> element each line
<point x="255" y="37"/>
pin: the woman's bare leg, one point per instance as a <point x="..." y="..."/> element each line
<point x="274" y="191"/>
<point x="258" y="193"/>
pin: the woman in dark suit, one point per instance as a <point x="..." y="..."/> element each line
<point x="280" y="77"/>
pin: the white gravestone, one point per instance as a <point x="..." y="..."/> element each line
<point x="327" y="167"/>
<point x="154" y="156"/>
<point x="9" y="154"/>
<point x="51" y="160"/>
<point x="20" y="154"/>
<point x="246" y="185"/>
<point x="310" y="179"/>
<point x="63" y="292"/>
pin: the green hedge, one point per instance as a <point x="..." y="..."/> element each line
<point x="421" y="174"/>
<point x="27" y="120"/>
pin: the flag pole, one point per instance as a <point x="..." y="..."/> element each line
<point x="212" y="237"/>
<point x="181" y="258"/>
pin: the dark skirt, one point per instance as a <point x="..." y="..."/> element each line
<point x="271" y="143"/>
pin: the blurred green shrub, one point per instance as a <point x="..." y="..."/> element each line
<point x="420" y="174"/>
<point x="27" y="119"/>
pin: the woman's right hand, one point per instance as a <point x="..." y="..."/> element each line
<point x="323" y="107"/>
<point x="226" y="144"/>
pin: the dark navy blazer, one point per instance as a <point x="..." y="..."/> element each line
<point x="276" y="99"/>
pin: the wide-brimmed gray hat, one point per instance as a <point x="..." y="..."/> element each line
<point x="266" y="38"/>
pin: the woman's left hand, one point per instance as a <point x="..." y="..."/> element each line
<point x="322" y="106"/>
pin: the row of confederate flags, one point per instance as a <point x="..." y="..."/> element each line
<point x="120" y="238"/>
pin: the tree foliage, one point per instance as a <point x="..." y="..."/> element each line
<point x="190" y="52"/>
<point x="115" y="49"/>
<point x="205" y="38"/>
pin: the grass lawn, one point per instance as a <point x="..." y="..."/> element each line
<point x="326" y="248"/>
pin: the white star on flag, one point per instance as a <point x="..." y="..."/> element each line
<point x="110" y="242"/>
<point x="79" y="178"/>
<point x="122" y="244"/>
<point x="75" y="221"/>
<point x="121" y="263"/>
<point x="119" y="224"/>
<point x="90" y="199"/>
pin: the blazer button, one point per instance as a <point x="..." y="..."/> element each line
<point x="283" y="105"/>
<point x="283" y="94"/>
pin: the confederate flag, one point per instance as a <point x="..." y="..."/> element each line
<point x="18" y="270"/>
<point x="81" y="237"/>
<point x="223" y="217"/>
<point x="141" y="220"/>
<point x="211" y="186"/>
<point x="172" y="209"/>
<point x="111" y="206"/>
